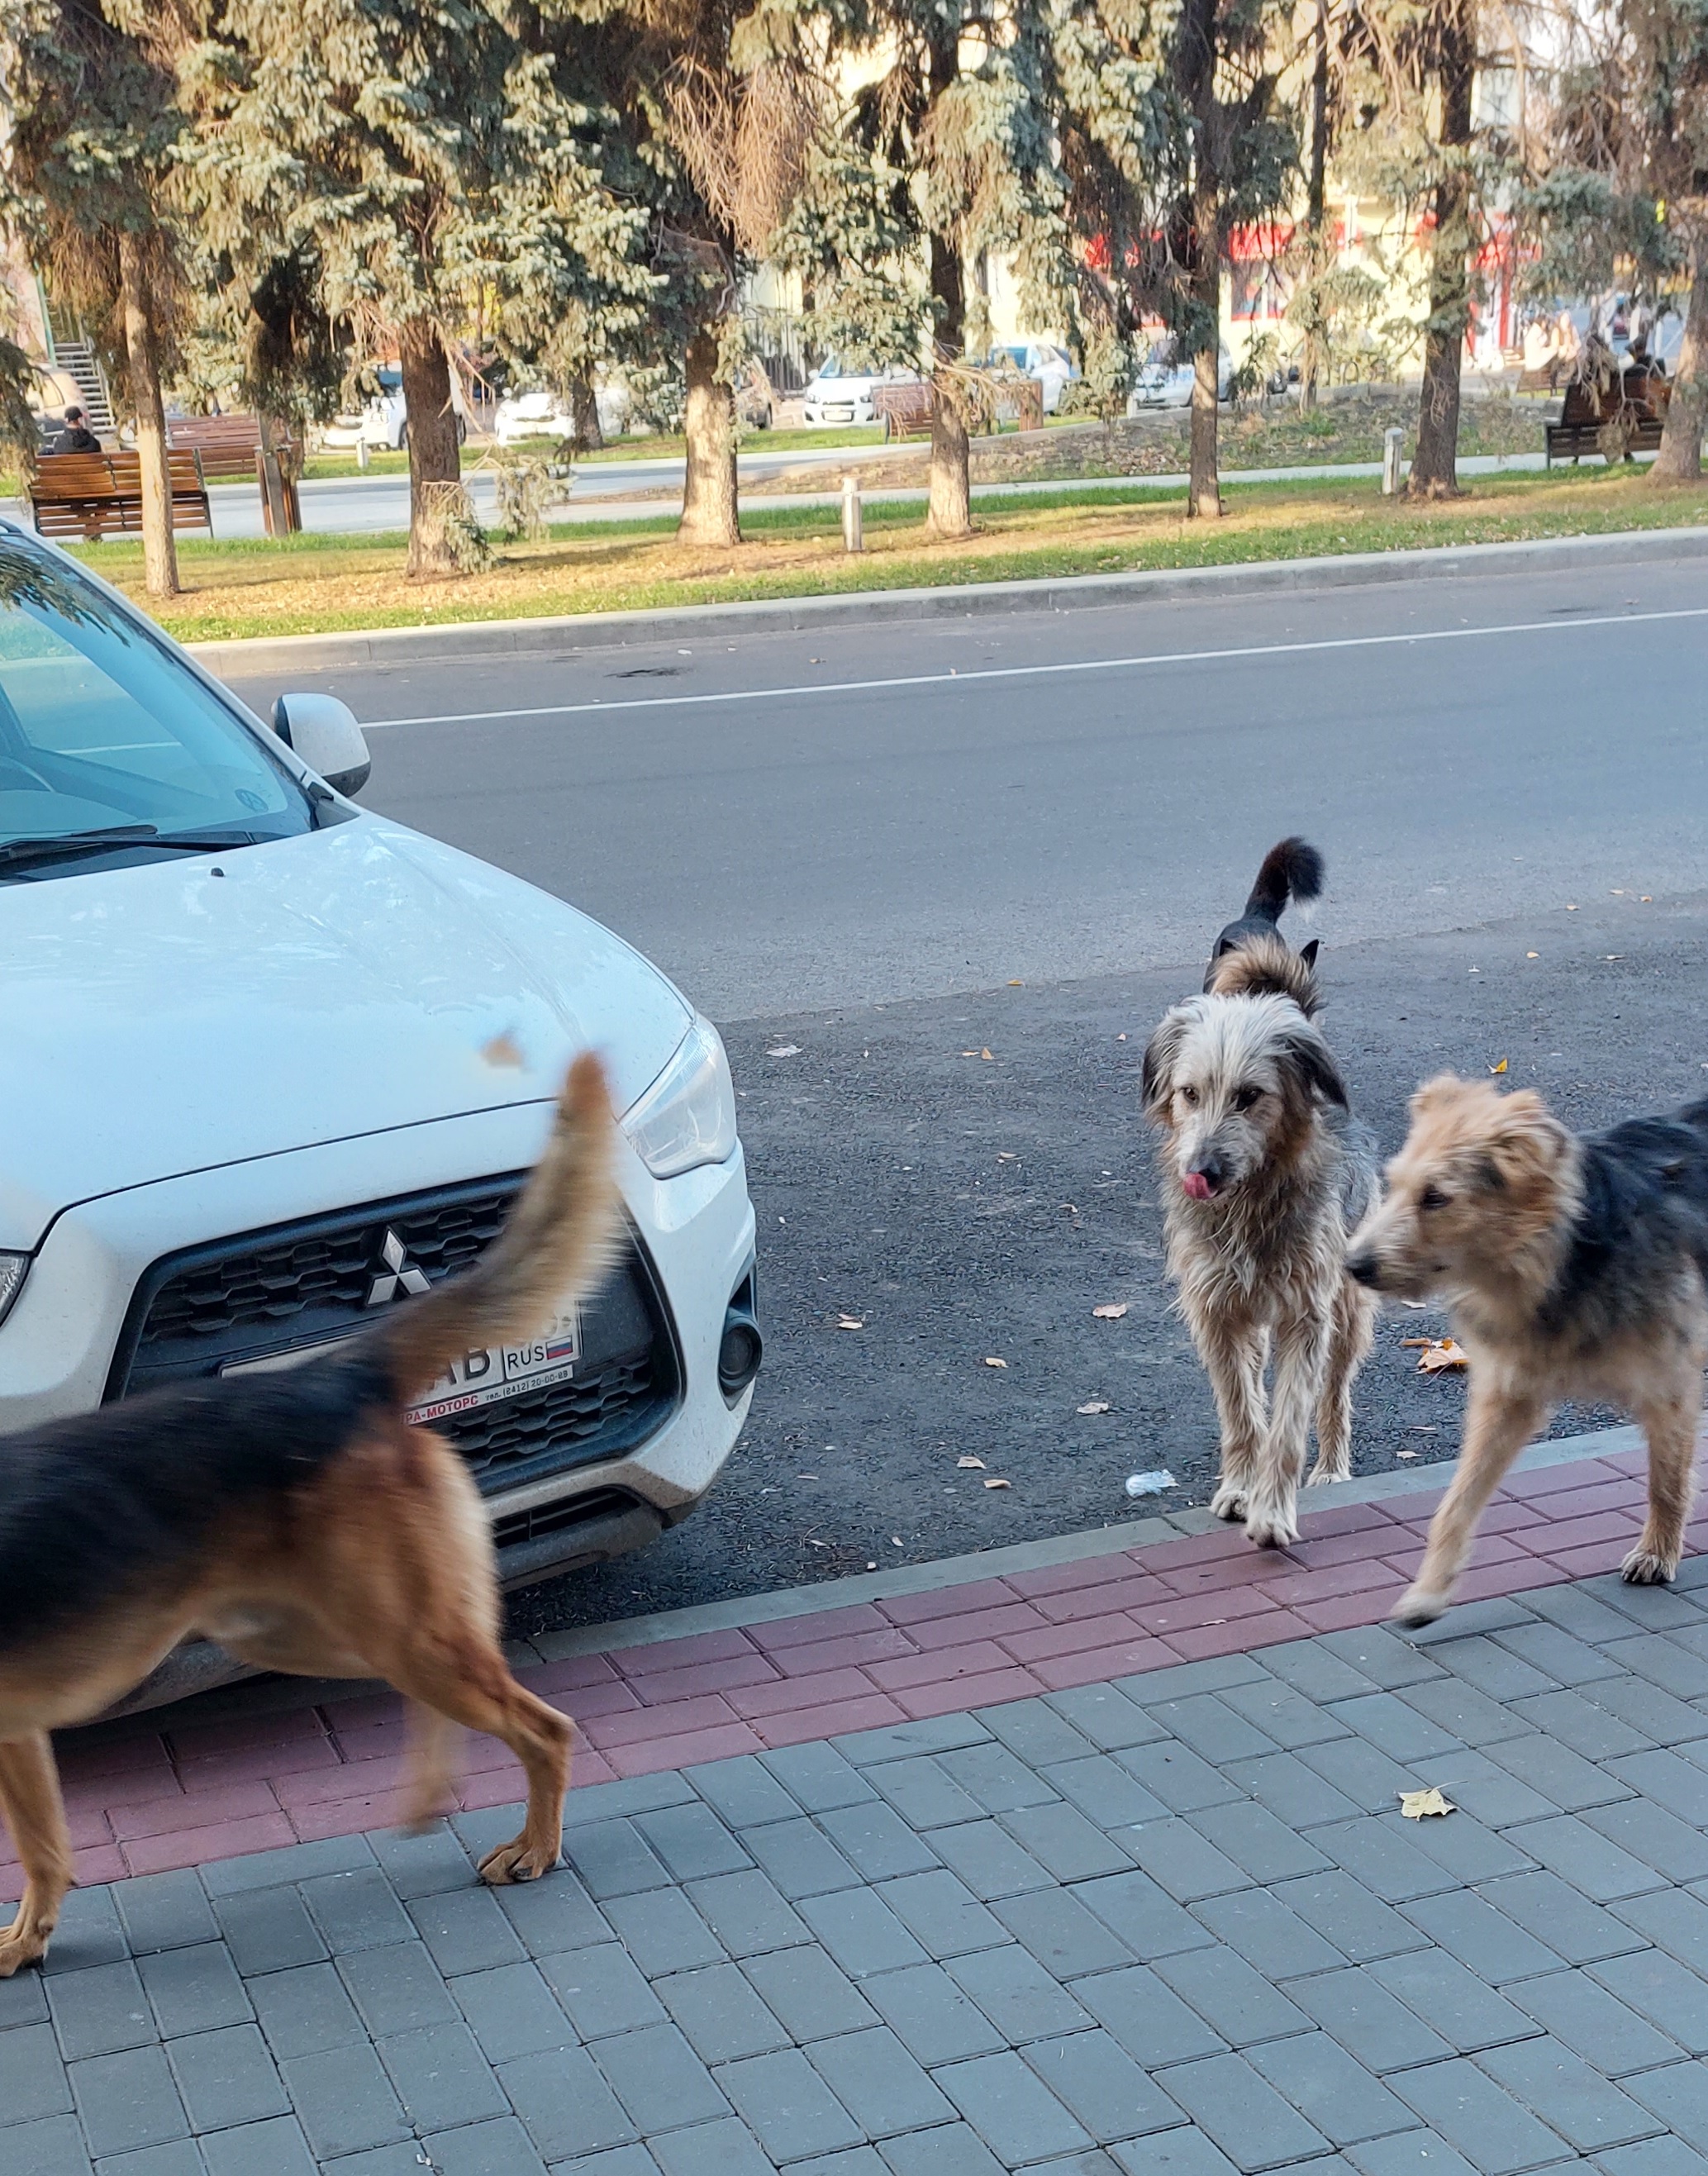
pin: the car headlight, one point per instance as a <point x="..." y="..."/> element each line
<point x="13" y="1269"/>
<point x="687" y="1116"/>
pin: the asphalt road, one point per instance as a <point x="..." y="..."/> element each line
<point x="893" y="846"/>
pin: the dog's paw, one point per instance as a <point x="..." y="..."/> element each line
<point x="1420" y="1606"/>
<point x="1270" y="1525"/>
<point x="1228" y="1502"/>
<point x="16" y="1953"/>
<point x="1644" y="1568"/>
<point x="519" y="1861"/>
<point x="1320" y="1473"/>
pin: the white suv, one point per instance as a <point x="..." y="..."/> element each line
<point x="271" y="1063"/>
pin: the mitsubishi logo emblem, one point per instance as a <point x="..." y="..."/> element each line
<point x="399" y="1275"/>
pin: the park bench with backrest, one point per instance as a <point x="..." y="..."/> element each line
<point x="90" y="495"/>
<point x="904" y="411"/>
<point x="228" y="445"/>
<point x="1616" y="417"/>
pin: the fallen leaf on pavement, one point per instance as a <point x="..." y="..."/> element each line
<point x="1501" y="1068"/>
<point x="1415" y="1805"/>
<point x="849" y="1322"/>
<point x="1439" y="1353"/>
<point x="1095" y="1406"/>
<point x="1112" y="1313"/>
<point x="993" y="1363"/>
<point x="1404" y="1454"/>
<point x="992" y="1483"/>
<point x="985" y="1053"/>
<point x="971" y="1461"/>
<point x="784" y="1050"/>
<point x="1532" y="955"/>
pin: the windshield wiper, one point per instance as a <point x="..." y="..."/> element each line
<point x="68" y="845"/>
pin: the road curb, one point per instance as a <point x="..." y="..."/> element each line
<point x="564" y="635"/>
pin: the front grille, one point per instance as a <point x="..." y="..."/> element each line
<point x="196" y="1313"/>
<point x="560" y="1518"/>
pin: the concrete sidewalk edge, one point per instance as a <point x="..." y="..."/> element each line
<point x="564" y="636"/>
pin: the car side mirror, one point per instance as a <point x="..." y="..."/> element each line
<point x="324" y="732"/>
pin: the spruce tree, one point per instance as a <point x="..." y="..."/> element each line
<point x="424" y="157"/>
<point x="1175" y="135"/>
<point x="88" y="154"/>
<point x="946" y="154"/>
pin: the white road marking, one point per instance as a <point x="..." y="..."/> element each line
<point x="1562" y="626"/>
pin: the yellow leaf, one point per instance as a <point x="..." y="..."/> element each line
<point x="1501" y="1068"/>
<point x="1111" y="1312"/>
<point x="993" y="1363"/>
<point x="1532" y="955"/>
<point x="1440" y="1353"/>
<point x="1416" y="1804"/>
<point x="991" y="1483"/>
<point x="985" y="1053"/>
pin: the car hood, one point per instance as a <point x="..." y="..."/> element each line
<point x="161" y="1020"/>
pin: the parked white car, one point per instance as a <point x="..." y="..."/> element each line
<point x="271" y="1063"/>
<point x="834" y="395"/>
<point x="539" y="415"/>
<point x="381" y="423"/>
<point x="1165" y="380"/>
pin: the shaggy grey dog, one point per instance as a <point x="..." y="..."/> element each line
<point x="1265" y="1173"/>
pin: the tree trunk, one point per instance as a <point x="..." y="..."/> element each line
<point x="1204" y="494"/>
<point x="711" y="507"/>
<point x="143" y="375"/>
<point x="585" y="434"/>
<point x="949" y="512"/>
<point x="1434" y="469"/>
<point x="434" y="457"/>
<point x="1680" y="458"/>
<point x="270" y="434"/>
<point x="1317" y="212"/>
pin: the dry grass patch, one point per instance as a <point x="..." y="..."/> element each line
<point x="322" y="584"/>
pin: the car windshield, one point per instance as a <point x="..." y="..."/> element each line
<point x="101" y="729"/>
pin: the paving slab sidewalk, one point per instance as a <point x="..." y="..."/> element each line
<point x="1161" y="1921"/>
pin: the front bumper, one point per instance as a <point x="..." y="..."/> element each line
<point x="58" y="1345"/>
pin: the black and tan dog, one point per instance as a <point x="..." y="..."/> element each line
<point x="1573" y="1268"/>
<point x="301" y="1521"/>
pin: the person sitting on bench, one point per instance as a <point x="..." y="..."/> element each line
<point x="76" y="438"/>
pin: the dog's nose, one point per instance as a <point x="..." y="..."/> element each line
<point x="1362" y="1267"/>
<point x="1204" y="1177"/>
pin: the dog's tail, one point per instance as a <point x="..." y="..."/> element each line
<point x="1266" y="966"/>
<point x="1292" y="870"/>
<point x="557" y="1241"/>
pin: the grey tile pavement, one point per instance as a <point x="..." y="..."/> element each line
<point x="1171" y="1927"/>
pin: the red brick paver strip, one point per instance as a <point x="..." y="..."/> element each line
<point x="143" y="1800"/>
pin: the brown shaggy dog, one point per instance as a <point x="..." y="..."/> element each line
<point x="297" y="1519"/>
<point x="1573" y="1268"/>
<point x="1264" y="1171"/>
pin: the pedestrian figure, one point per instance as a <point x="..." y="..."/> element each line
<point x="76" y="438"/>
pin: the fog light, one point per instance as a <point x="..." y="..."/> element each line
<point x="741" y="1348"/>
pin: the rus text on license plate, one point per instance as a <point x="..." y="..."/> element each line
<point x="503" y="1371"/>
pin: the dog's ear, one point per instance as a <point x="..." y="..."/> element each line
<point x="1161" y="1053"/>
<point x="1305" y="1054"/>
<point x="1527" y="1143"/>
<point x="1436" y="1094"/>
<point x="1309" y="953"/>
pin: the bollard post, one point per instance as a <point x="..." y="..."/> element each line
<point x="362" y="454"/>
<point x="853" y="537"/>
<point x="1392" y="441"/>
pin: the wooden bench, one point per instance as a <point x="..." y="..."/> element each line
<point x="90" y="495"/>
<point x="228" y="445"/>
<point x="905" y="411"/>
<point x="1617" y="418"/>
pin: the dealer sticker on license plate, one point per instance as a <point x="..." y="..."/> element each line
<point x="477" y="1379"/>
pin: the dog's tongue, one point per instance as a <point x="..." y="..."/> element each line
<point x="1197" y="1185"/>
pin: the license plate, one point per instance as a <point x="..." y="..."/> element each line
<point x="475" y="1379"/>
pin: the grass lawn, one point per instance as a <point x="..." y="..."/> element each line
<point x="314" y="584"/>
